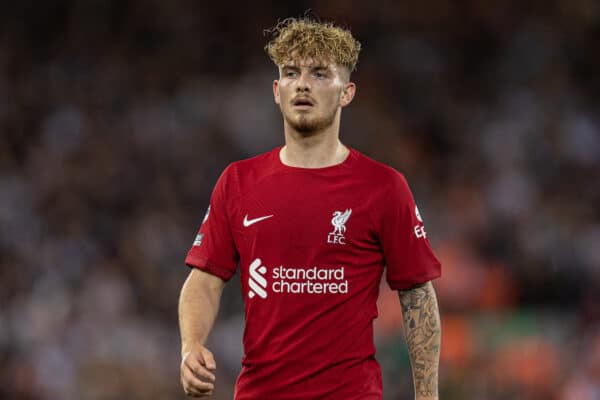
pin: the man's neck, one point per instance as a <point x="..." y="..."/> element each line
<point x="318" y="151"/>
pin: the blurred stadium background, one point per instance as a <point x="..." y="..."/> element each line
<point x="116" y="118"/>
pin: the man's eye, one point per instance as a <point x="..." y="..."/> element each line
<point x="290" y="74"/>
<point x="319" y="75"/>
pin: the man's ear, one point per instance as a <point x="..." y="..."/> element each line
<point x="276" y="91"/>
<point x="348" y="94"/>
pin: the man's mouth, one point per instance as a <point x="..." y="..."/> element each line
<point x="303" y="102"/>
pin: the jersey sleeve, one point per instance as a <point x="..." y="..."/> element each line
<point x="214" y="250"/>
<point x="406" y="249"/>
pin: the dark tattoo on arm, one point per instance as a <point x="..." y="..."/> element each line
<point x="422" y="328"/>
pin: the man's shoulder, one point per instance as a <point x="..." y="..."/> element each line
<point x="241" y="173"/>
<point x="258" y="162"/>
<point x="377" y="169"/>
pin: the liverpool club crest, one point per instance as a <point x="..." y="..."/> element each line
<point x="339" y="227"/>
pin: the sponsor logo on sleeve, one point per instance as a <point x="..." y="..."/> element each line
<point x="418" y="214"/>
<point x="206" y="215"/>
<point x="198" y="240"/>
<point x="419" y="229"/>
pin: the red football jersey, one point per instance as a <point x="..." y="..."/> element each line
<point x="311" y="245"/>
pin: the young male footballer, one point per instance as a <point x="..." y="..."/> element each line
<point x="312" y="225"/>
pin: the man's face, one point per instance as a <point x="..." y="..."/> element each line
<point x="310" y="93"/>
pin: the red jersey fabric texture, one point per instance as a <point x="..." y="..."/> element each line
<point x="311" y="246"/>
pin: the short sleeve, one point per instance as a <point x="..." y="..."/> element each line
<point x="406" y="249"/>
<point x="213" y="249"/>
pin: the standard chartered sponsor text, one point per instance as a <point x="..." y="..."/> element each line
<point x="309" y="280"/>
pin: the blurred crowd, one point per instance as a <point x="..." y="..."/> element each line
<point x="116" y="119"/>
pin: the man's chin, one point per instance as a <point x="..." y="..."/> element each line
<point x="308" y="127"/>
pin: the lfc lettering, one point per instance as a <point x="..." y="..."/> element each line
<point x="336" y="239"/>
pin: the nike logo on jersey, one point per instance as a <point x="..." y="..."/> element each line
<point x="248" y="222"/>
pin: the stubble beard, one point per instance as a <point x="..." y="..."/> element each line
<point x="308" y="125"/>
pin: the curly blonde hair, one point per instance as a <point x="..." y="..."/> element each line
<point x="295" y="38"/>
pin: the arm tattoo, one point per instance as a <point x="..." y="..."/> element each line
<point x="422" y="328"/>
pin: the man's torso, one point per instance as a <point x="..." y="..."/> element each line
<point x="310" y="252"/>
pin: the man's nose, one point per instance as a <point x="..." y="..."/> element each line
<point x="303" y="83"/>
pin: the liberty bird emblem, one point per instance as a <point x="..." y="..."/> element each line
<point x="339" y="226"/>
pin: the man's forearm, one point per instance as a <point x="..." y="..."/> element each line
<point x="198" y="307"/>
<point x="422" y="328"/>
